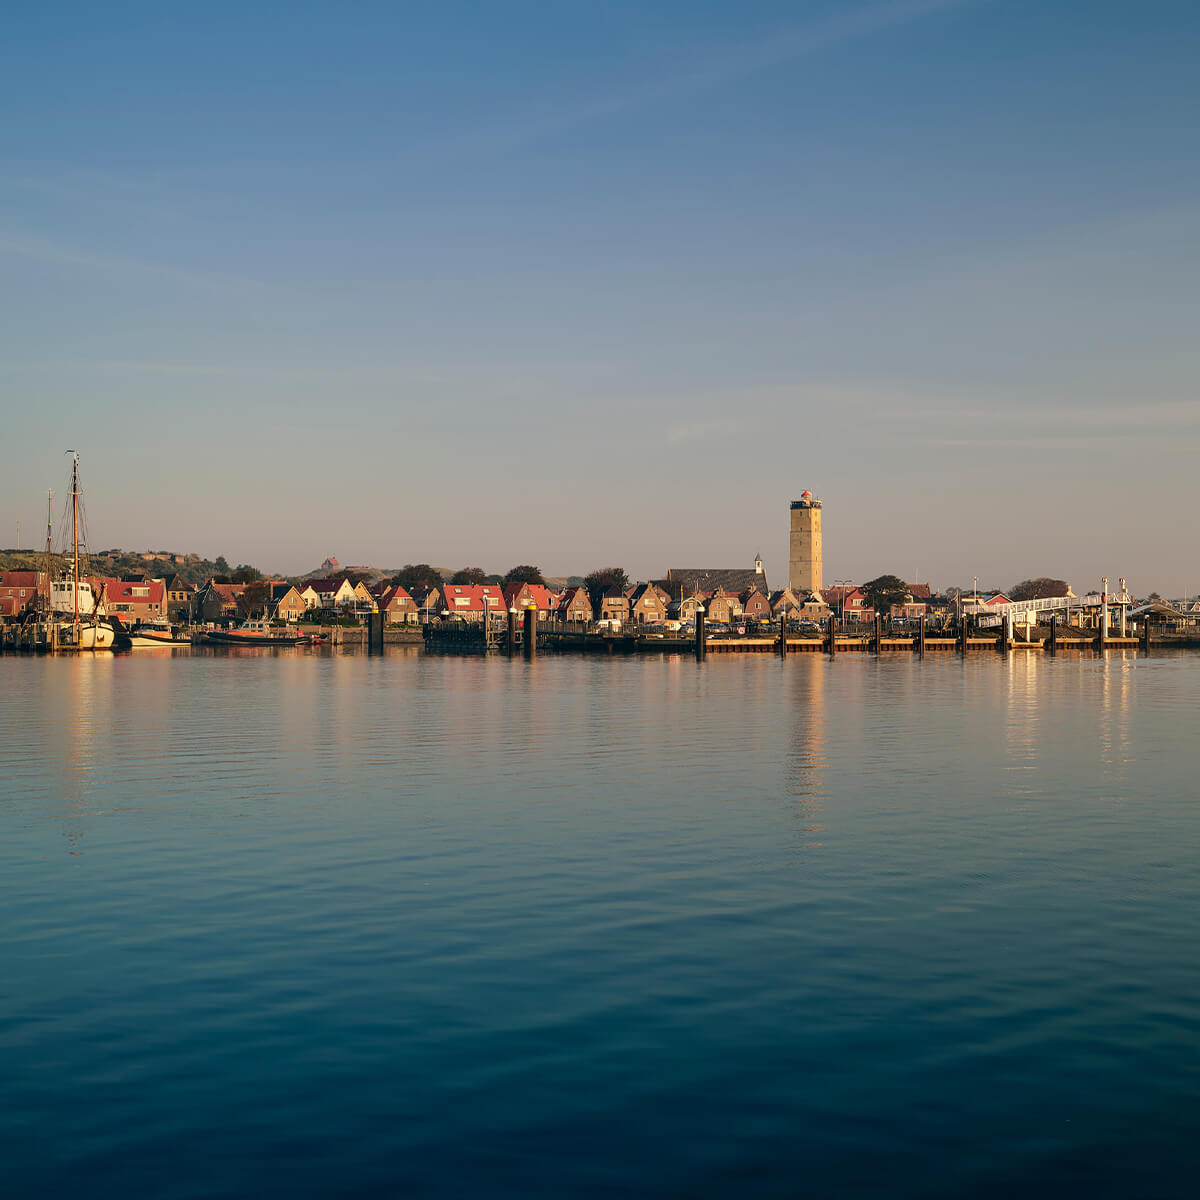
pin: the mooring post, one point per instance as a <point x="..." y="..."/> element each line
<point x="1002" y="643"/>
<point x="832" y="634"/>
<point x="783" y="635"/>
<point x="531" y="633"/>
<point x="375" y="633"/>
<point x="921" y="636"/>
<point x="962" y="633"/>
<point x="1053" y="632"/>
<point x="878" y="635"/>
<point x="511" y="641"/>
<point x="701" y="645"/>
<point x="1146" y="633"/>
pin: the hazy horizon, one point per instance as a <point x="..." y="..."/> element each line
<point x="609" y="286"/>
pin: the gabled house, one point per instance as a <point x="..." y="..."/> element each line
<point x="647" y="603"/>
<point x="179" y="598"/>
<point x="755" y="606"/>
<point x="133" y="601"/>
<point x="398" y="606"/>
<point x="473" y="601"/>
<point x="575" y="605"/>
<point x="719" y="606"/>
<point x="290" y="606"/>
<point x="19" y="591"/>
<point x="614" y="605"/>
<point x="525" y="595"/>
<point x="216" y="601"/>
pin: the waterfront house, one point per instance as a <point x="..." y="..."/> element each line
<point x="310" y="596"/>
<point x="179" y="595"/>
<point x="398" y="606"/>
<point x="575" y="605"/>
<point x="19" y="591"/>
<point x="135" y="601"/>
<point x="334" y="592"/>
<point x="614" y="605"/>
<point x="536" y="595"/>
<point x="290" y="606"/>
<point x="473" y="601"/>
<point x="647" y="602"/>
<point x="719" y="606"/>
<point x="755" y="605"/>
<point x="216" y="601"/>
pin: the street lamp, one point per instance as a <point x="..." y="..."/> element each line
<point x="842" y="585"/>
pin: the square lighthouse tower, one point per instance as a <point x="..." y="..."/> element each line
<point x="804" y="561"/>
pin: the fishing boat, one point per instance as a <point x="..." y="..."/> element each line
<point x="76" y="616"/>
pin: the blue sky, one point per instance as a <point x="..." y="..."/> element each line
<point x="583" y="283"/>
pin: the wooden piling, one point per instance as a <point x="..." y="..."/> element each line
<point x="782" y="636"/>
<point x="1053" y="645"/>
<point x="1146" y="633"/>
<point x="701" y="644"/>
<point x="510" y="641"/>
<point x="921" y="636"/>
<point x="832" y="635"/>
<point x="878" y="635"/>
<point x="531" y="633"/>
<point x="375" y="633"/>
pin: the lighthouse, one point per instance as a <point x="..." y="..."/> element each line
<point x="804" y="559"/>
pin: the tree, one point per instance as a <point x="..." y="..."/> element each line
<point x="220" y="566"/>
<point x="244" y="573"/>
<point x="421" y="576"/>
<point x="598" y="582"/>
<point x="1038" y="589"/>
<point x="254" y="599"/>
<point x="524" y="574"/>
<point x="469" y="575"/>
<point x="881" y="593"/>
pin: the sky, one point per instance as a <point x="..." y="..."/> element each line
<point x="586" y="284"/>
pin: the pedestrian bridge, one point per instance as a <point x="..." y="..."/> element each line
<point x="1023" y="610"/>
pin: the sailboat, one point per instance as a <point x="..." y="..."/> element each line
<point x="75" y="612"/>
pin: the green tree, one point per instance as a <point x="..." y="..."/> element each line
<point x="421" y="576"/>
<point x="598" y="582"/>
<point x="244" y="573"/>
<point x="524" y="574"/>
<point x="884" y="591"/>
<point x="470" y="575"/>
<point x="1038" y="589"/>
<point x="220" y="566"/>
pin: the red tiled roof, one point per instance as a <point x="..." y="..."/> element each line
<point x="118" y="590"/>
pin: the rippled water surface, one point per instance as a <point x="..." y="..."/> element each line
<point x="294" y="923"/>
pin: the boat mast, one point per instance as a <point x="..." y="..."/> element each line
<point x="49" y="554"/>
<point x="75" y="524"/>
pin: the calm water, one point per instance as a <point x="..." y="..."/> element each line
<point x="300" y="923"/>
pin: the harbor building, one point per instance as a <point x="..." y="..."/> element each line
<point x="804" y="558"/>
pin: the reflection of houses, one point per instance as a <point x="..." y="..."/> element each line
<point x="575" y="605"/>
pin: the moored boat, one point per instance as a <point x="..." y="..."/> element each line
<point x="148" y="634"/>
<point x="255" y="633"/>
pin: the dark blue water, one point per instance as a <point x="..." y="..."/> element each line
<point x="286" y="923"/>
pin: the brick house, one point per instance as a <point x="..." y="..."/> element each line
<point x="614" y="605"/>
<point x="19" y="591"/>
<point x="575" y="605"/>
<point x="522" y="595"/>
<point x="398" y="606"/>
<point x="755" y="606"/>
<point x="647" y="602"/>
<point x="135" y="601"/>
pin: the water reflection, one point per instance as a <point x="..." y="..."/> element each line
<point x="807" y="760"/>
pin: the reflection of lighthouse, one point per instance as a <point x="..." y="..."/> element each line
<point x="804" y="562"/>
